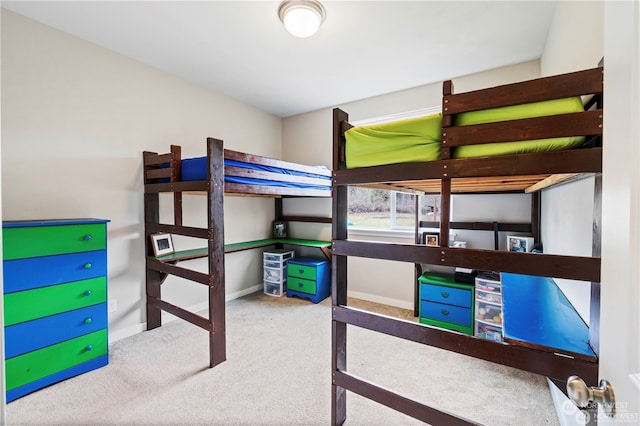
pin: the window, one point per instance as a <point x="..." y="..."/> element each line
<point x="381" y="209"/>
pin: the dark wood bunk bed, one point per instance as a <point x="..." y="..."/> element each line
<point x="222" y="172"/>
<point x="447" y="176"/>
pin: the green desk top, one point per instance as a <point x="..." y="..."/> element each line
<point x="245" y="245"/>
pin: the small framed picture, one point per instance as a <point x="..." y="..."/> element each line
<point x="279" y="229"/>
<point x="519" y="244"/>
<point x="162" y="244"/>
<point x="430" y="239"/>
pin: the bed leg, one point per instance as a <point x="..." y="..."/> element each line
<point x="154" y="314"/>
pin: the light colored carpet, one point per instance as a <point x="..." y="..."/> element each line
<point x="278" y="373"/>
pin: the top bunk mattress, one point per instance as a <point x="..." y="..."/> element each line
<point x="419" y="139"/>
<point x="195" y="169"/>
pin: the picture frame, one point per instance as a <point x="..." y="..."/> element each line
<point x="431" y="239"/>
<point x="279" y="229"/>
<point x="519" y="244"/>
<point x="162" y="244"/>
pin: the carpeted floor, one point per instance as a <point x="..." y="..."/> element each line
<point x="278" y="373"/>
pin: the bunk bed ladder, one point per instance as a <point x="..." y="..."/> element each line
<point x="159" y="178"/>
<point x="341" y="380"/>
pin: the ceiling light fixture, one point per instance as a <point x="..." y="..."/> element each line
<point x="302" y="18"/>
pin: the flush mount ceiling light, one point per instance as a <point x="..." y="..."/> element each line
<point x="302" y="18"/>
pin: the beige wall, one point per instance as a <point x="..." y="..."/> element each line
<point x="75" y="120"/>
<point x="575" y="42"/>
<point x="307" y="138"/>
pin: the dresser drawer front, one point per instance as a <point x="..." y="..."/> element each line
<point x="31" y="335"/>
<point x="301" y="271"/>
<point x="31" y="304"/>
<point x="304" y="286"/>
<point x="26" y="274"/>
<point x="35" y="365"/>
<point x="35" y="241"/>
<point x="447" y="313"/>
<point x="448" y="295"/>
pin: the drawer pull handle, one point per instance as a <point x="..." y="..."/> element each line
<point x="88" y="320"/>
<point x="445" y="294"/>
<point x="444" y="312"/>
<point x="87" y="237"/>
<point x="300" y="285"/>
<point x="88" y="348"/>
<point x="87" y="266"/>
<point x="301" y="271"/>
<point x="87" y="293"/>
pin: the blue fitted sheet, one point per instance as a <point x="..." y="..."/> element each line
<point x="194" y="169"/>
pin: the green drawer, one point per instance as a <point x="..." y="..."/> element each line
<point x="304" y="286"/>
<point x="34" y="241"/>
<point x="35" y="365"/>
<point x="44" y="301"/>
<point x="301" y="271"/>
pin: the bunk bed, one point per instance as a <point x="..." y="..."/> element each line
<point x="482" y="172"/>
<point x="221" y="172"/>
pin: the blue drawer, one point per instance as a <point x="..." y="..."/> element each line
<point x="31" y="335"/>
<point x="447" y="313"/>
<point x="449" y="295"/>
<point x="35" y="272"/>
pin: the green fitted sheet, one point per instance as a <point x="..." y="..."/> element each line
<point x="415" y="139"/>
<point x="419" y="139"/>
<point x="516" y="112"/>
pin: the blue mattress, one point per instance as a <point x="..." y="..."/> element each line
<point x="195" y="169"/>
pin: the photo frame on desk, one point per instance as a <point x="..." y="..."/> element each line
<point x="279" y="229"/>
<point x="519" y="244"/>
<point x="162" y="244"/>
<point x="431" y="239"/>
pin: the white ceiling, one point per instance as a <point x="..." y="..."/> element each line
<point x="363" y="49"/>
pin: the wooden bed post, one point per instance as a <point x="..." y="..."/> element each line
<point x="447" y="89"/>
<point x="176" y="164"/>
<point x="417" y="266"/>
<point x="153" y="278"/>
<point x="215" y="213"/>
<point x="338" y="275"/>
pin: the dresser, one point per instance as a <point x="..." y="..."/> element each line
<point x="446" y="303"/>
<point x="274" y="271"/>
<point x="309" y="278"/>
<point x="55" y="301"/>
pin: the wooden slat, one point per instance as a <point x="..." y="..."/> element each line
<point x="181" y="313"/>
<point x="578" y="83"/>
<point x="196" y="185"/>
<point x="166" y="173"/>
<point x="398" y="402"/>
<point x="188" y="274"/>
<point x="153" y="159"/>
<point x="231" y="188"/>
<point x="554" y="126"/>
<point x="556" y="180"/>
<point x="546" y="265"/>
<point x="542" y="163"/>
<point x="177" y="230"/>
<point x="481" y="226"/>
<point x="309" y="219"/>
<point x="528" y="359"/>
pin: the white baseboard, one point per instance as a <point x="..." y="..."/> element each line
<point x="379" y="299"/>
<point x="166" y="317"/>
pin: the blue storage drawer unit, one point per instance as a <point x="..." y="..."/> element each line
<point x="309" y="278"/>
<point x="446" y="303"/>
<point x="55" y="298"/>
